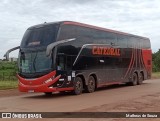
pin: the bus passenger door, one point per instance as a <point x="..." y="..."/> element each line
<point x="61" y="64"/>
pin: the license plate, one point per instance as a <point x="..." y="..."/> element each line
<point x="30" y="90"/>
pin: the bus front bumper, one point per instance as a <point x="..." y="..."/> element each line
<point x="41" y="84"/>
<point x="41" y="88"/>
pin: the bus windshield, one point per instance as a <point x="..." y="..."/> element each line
<point x="34" y="62"/>
<point x="42" y="36"/>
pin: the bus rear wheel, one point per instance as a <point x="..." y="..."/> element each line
<point x="141" y="78"/>
<point x="91" y="85"/>
<point x="78" y="86"/>
<point x="134" y="79"/>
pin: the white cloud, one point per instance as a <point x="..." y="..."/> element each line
<point x="137" y="17"/>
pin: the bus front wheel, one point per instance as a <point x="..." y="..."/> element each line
<point x="78" y="86"/>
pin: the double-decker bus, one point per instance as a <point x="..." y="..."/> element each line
<point x="71" y="56"/>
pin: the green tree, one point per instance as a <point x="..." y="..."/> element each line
<point x="156" y="61"/>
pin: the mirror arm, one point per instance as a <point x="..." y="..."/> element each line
<point x="10" y="50"/>
<point x="54" y="44"/>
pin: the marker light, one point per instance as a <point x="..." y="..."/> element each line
<point x="48" y="80"/>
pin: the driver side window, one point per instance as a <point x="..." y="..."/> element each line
<point x="61" y="62"/>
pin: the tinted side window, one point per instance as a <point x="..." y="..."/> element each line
<point x="131" y="42"/>
<point x="141" y="43"/>
<point x="96" y="36"/>
<point x="111" y="38"/>
<point x="137" y="42"/>
<point x="122" y="41"/>
<point x="67" y="32"/>
<point x="147" y="44"/>
<point x="89" y="35"/>
<point x="85" y="34"/>
<point x="111" y="62"/>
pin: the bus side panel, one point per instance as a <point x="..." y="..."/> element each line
<point x="147" y="59"/>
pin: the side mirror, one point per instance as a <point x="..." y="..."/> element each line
<point x="10" y="50"/>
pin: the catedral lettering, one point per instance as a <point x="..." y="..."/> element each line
<point x="105" y="51"/>
<point x="61" y="57"/>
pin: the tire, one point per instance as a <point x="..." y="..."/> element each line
<point x="141" y="78"/>
<point x="91" y="85"/>
<point x="134" y="80"/>
<point x="78" y="86"/>
<point x="48" y="93"/>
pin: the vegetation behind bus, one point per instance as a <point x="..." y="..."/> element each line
<point x="156" y="61"/>
<point x="8" y="72"/>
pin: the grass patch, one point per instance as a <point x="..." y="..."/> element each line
<point x="8" y="84"/>
<point x="156" y="75"/>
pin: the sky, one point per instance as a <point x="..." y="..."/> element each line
<point x="140" y="17"/>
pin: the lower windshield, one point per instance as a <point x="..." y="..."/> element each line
<point x="32" y="62"/>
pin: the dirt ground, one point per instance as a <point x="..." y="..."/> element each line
<point x="147" y="103"/>
<point x="144" y="98"/>
<point x="10" y="92"/>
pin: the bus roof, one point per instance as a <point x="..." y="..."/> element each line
<point x="44" y="24"/>
<point x="85" y="25"/>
